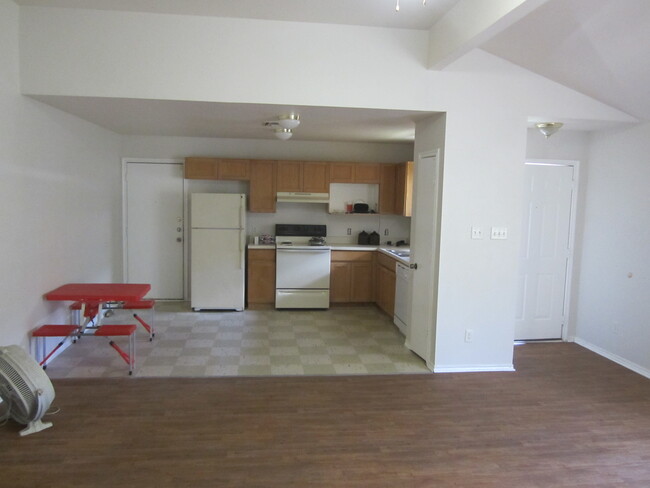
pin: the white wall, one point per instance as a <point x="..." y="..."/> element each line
<point x="487" y="101"/>
<point x="59" y="195"/>
<point x="614" y="283"/>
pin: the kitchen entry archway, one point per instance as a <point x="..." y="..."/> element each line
<point x="546" y="253"/>
<point x="153" y="232"/>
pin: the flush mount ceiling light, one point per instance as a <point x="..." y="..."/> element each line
<point x="282" y="133"/>
<point x="424" y="2"/>
<point x="284" y="125"/>
<point x="549" y="128"/>
<point x="290" y="121"/>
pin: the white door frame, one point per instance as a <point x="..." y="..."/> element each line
<point x="125" y="162"/>
<point x="568" y="329"/>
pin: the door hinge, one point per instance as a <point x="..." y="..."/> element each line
<point x="413" y="266"/>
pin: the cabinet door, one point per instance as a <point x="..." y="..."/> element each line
<point x="262" y="186"/>
<point x="387" y="189"/>
<point x="340" y="282"/>
<point x="316" y="177"/>
<point x="386" y="291"/>
<point x="367" y="173"/>
<point x="362" y="282"/>
<point x="289" y="176"/>
<point x="201" y="168"/>
<point x="404" y="189"/>
<point x="261" y="276"/>
<point x="341" y="173"/>
<point x="234" y="169"/>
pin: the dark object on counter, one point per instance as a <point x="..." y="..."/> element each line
<point x="373" y="238"/>
<point x="363" y="237"/>
<point x="317" y="241"/>
<point x="361" y="208"/>
<point x="400" y="243"/>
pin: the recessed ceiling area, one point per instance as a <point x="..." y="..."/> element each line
<point x="373" y="13"/>
<point x="239" y="121"/>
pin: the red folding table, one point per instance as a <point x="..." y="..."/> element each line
<point x="93" y="296"/>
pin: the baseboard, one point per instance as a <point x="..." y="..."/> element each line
<point x="474" y="368"/>
<point x="613" y="357"/>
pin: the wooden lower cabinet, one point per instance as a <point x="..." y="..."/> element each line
<point x="260" y="284"/>
<point x="386" y="284"/>
<point x="352" y="277"/>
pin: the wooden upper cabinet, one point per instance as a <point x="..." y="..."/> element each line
<point x="387" y="189"/>
<point x="262" y="188"/>
<point x="404" y="189"/>
<point x="341" y="173"/>
<point x="355" y="172"/>
<point x="303" y="176"/>
<point x="201" y="168"/>
<point x="217" y="169"/>
<point x="316" y="177"/>
<point x="289" y="176"/>
<point x="234" y="169"/>
<point x="367" y="172"/>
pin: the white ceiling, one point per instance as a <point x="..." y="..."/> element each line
<point x="238" y="120"/>
<point x="377" y="13"/>
<point x="597" y="47"/>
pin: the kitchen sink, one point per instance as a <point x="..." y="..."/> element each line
<point x="398" y="253"/>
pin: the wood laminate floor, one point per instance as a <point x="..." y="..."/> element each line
<point x="565" y="418"/>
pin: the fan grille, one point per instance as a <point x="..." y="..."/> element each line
<point x="23" y="402"/>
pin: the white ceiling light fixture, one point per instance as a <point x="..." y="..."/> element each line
<point x="424" y="2"/>
<point x="290" y="121"/>
<point x="282" y="133"/>
<point x="284" y="125"/>
<point x="549" y="128"/>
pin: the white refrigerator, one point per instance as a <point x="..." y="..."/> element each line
<point x="218" y="243"/>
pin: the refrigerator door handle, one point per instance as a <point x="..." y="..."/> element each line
<point x="242" y="212"/>
<point x="242" y="247"/>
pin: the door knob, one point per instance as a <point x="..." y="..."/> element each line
<point x="179" y="229"/>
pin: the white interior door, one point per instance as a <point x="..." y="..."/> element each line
<point x="154" y="227"/>
<point x="545" y="249"/>
<point x="420" y="335"/>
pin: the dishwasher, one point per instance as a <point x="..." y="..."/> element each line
<point x="402" y="298"/>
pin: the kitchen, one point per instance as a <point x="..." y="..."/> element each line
<point x="311" y="191"/>
<point x="357" y="335"/>
<point x="367" y="197"/>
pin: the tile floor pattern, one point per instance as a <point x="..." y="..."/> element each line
<point x="346" y="340"/>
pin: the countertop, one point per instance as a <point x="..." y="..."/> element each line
<point x="352" y="247"/>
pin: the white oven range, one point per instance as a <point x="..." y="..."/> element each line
<point x="302" y="266"/>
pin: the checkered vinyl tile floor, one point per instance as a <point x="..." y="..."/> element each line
<point x="338" y="341"/>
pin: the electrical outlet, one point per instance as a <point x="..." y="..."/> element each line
<point x="477" y="232"/>
<point x="349" y="231"/>
<point x="386" y="231"/>
<point x="469" y="335"/>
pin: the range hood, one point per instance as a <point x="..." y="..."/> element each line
<point x="303" y="197"/>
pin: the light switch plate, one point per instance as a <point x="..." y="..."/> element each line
<point x="477" y="232"/>
<point x="499" y="233"/>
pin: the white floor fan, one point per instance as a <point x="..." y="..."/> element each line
<point x="26" y="391"/>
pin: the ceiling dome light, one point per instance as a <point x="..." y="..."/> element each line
<point x="549" y="128"/>
<point x="290" y="121"/>
<point x="282" y="133"/>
